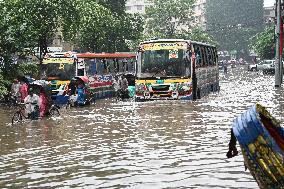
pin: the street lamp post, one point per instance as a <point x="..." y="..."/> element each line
<point x="278" y="58"/>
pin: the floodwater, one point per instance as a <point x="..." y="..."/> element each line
<point x="163" y="144"/>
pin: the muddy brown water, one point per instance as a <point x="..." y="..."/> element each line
<point x="160" y="144"/>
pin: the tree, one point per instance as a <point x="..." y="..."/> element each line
<point x="264" y="43"/>
<point x="6" y="29"/>
<point x="128" y="28"/>
<point x="9" y="44"/>
<point x="197" y="34"/>
<point x="93" y="24"/>
<point x="168" y="18"/>
<point x="103" y="26"/>
<point x="27" y="24"/>
<point x="233" y="22"/>
<point x="39" y="21"/>
<point x="117" y="7"/>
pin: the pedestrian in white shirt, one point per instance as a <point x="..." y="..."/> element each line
<point x="32" y="105"/>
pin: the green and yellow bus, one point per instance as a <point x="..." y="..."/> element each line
<point x="175" y="69"/>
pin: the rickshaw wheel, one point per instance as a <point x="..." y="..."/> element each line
<point x="17" y="117"/>
<point x="69" y="105"/>
<point x="54" y="111"/>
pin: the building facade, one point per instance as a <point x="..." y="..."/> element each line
<point x="199" y="13"/>
<point x="136" y="6"/>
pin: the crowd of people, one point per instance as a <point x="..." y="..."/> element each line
<point x="37" y="101"/>
<point x="19" y="90"/>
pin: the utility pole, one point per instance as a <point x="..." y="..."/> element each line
<point x="278" y="58"/>
<point x="281" y="41"/>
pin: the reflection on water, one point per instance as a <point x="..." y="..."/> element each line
<point x="164" y="144"/>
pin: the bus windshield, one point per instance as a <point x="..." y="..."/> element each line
<point x="60" y="71"/>
<point x="165" y="63"/>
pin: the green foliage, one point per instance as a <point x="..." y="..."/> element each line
<point x="130" y="29"/>
<point x="101" y="26"/>
<point x="117" y="7"/>
<point x="9" y="27"/>
<point x="30" y="69"/>
<point x="93" y="25"/>
<point x="12" y="71"/>
<point x="35" y="22"/>
<point x="95" y="22"/>
<point x="173" y="19"/>
<point x="264" y="43"/>
<point x="197" y="34"/>
<point x="69" y="19"/>
<point x="233" y="22"/>
<point x="3" y="86"/>
<point x="166" y="18"/>
<point x="39" y="20"/>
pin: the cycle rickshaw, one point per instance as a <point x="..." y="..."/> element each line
<point x="45" y="108"/>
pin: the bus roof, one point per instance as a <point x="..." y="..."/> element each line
<point x="106" y="55"/>
<point x="176" y="40"/>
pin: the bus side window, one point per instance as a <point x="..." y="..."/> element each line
<point x="204" y="63"/>
<point x="207" y="58"/>
<point x="99" y="70"/>
<point x="198" y="56"/>
<point x="215" y="59"/>
<point x="187" y="62"/>
<point x="101" y="66"/>
<point x="210" y="55"/>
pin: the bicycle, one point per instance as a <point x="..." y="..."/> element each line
<point x="20" y="114"/>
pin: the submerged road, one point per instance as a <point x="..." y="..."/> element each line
<point x="163" y="144"/>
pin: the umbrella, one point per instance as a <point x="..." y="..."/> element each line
<point x="27" y="79"/>
<point x="41" y="85"/>
<point x="39" y="82"/>
<point x="85" y="79"/>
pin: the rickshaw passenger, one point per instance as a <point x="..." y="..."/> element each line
<point x="32" y="105"/>
<point x="43" y="103"/>
<point x="23" y="90"/>
<point x="72" y="87"/>
<point x="81" y="94"/>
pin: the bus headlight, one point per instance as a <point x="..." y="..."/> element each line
<point x="175" y="94"/>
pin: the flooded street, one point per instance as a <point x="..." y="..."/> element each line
<point x="162" y="144"/>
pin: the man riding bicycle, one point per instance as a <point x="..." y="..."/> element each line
<point x="32" y="105"/>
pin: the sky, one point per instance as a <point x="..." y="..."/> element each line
<point x="268" y="3"/>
